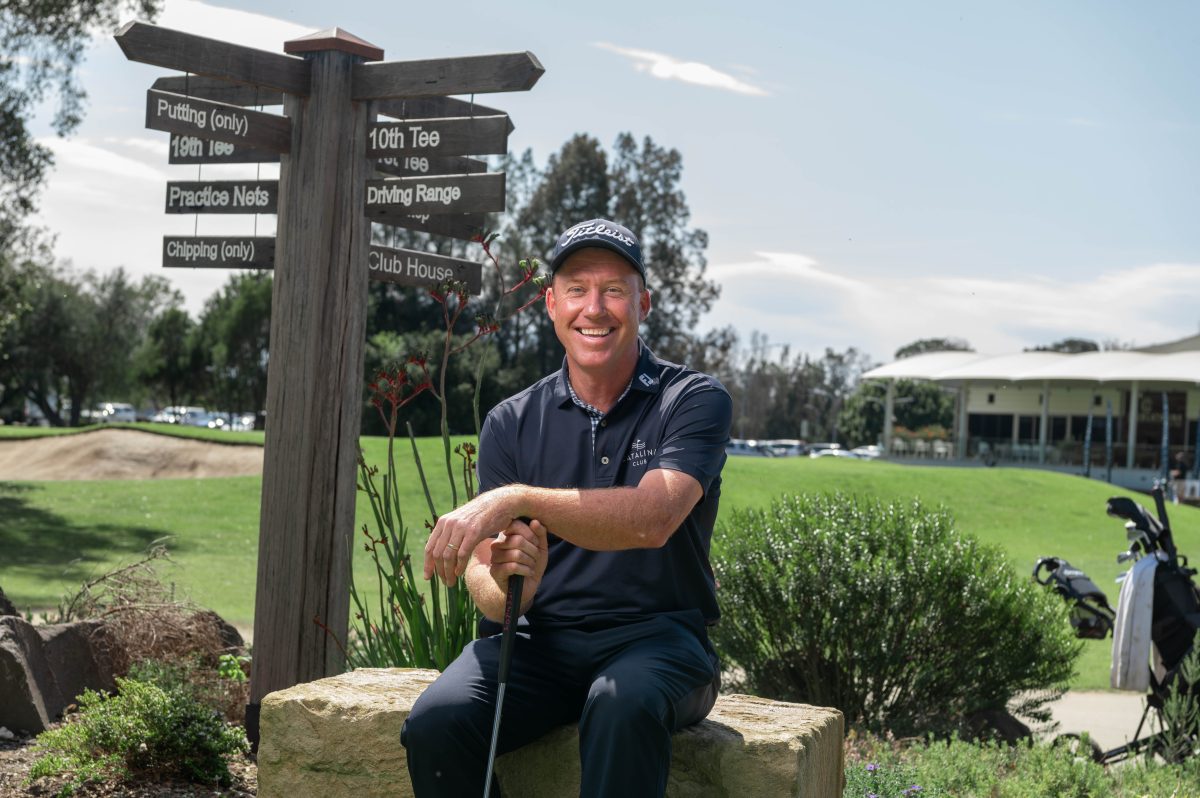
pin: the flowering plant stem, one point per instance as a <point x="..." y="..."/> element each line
<point x="410" y="625"/>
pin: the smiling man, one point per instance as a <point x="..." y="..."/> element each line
<point x="615" y="462"/>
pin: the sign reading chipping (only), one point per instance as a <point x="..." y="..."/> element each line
<point x="225" y="252"/>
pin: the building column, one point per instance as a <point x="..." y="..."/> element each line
<point x="1044" y="427"/>
<point x="961" y="417"/>
<point x="889" y="413"/>
<point x="1131" y="437"/>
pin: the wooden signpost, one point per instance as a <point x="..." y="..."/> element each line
<point x="332" y="87"/>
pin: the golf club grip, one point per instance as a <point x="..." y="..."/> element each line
<point x="512" y="607"/>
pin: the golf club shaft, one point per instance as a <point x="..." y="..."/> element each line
<point x="512" y="607"/>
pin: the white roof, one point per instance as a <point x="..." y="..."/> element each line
<point x="1116" y="366"/>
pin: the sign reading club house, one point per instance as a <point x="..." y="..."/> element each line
<point x="411" y="267"/>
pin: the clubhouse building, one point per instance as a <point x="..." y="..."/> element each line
<point x="1118" y="415"/>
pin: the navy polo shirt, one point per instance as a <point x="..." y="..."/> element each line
<point x="671" y="417"/>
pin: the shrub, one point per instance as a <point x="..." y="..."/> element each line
<point x="144" y="731"/>
<point x="885" y="612"/>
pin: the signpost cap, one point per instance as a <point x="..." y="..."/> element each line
<point x="334" y="39"/>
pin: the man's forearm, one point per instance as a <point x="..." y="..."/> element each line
<point x="610" y="519"/>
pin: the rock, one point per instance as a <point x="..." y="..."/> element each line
<point x="43" y="669"/>
<point x="230" y="637"/>
<point x="341" y="736"/>
<point x="6" y="606"/>
<point x="5" y="734"/>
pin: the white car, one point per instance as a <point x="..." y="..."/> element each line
<point x="114" y="412"/>
<point x="867" y="452"/>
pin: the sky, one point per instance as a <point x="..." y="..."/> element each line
<point x="868" y="173"/>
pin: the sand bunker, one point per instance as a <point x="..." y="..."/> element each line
<point x="124" y="454"/>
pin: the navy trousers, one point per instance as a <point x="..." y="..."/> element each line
<point x="629" y="687"/>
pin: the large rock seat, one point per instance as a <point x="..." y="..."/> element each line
<point x="341" y="736"/>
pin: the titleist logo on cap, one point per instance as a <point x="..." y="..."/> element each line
<point x="587" y="228"/>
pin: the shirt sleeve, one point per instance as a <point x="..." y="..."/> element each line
<point x="696" y="432"/>
<point x="495" y="466"/>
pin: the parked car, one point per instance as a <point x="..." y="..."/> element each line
<point x="784" y="447"/>
<point x="193" y="416"/>
<point x="867" y="452"/>
<point x="827" y="450"/>
<point x="113" y="412"/>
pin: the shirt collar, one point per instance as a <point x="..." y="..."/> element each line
<point x="645" y="375"/>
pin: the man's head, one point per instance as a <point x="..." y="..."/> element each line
<point x="598" y="298"/>
<point x="600" y="233"/>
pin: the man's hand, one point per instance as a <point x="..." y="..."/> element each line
<point x="459" y="531"/>
<point x="520" y="550"/>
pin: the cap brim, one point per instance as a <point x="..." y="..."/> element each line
<point x="594" y="244"/>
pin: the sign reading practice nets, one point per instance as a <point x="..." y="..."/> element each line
<point x="222" y="196"/>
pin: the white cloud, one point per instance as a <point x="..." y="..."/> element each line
<point x="81" y="160"/>
<point x="666" y="67"/>
<point x="794" y="299"/>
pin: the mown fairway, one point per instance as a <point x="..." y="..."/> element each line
<point x="55" y="535"/>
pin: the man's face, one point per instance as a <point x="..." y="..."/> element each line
<point x="596" y="303"/>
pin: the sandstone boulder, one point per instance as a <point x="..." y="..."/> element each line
<point x="341" y="736"/>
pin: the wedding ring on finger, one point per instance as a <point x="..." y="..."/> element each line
<point x="452" y="547"/>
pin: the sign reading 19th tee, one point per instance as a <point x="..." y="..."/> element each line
<point x="334" y="90"/>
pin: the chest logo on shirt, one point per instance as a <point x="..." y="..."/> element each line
<point x="639" y="454"/>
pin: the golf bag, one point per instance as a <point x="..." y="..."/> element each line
<point x="1175" y="612"/>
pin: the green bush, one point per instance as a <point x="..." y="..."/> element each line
<point x="143" y="731"/>
<point x="885" y="612"/>
<point x="961" y="769"/>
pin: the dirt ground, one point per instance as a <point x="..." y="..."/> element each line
<point x="17" y="756"/>
<point x="124" y="454"/>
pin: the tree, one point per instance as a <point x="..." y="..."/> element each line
<point x="1070" y="346"/>
<point x="74" y="339"/>
<point x="164" y="364"/>
<point x="923" y="345"/>
<point x="232" y="341"/>
<point x="44" y="42"/>
<point x="916" y="405"/>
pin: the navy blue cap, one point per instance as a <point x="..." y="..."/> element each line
<point x="599" y="233"/>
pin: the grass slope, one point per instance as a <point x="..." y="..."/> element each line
<point x="54" y="535"/>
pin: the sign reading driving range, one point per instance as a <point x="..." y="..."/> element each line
<point x="435" y="194"/>
<point x="411" y="267"/>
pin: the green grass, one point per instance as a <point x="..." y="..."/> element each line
<point x="54" y="535"/>
<point x="176" y="430"/>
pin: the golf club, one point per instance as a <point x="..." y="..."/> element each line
<point x="512" y="602"/>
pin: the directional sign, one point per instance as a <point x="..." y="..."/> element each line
<point x="413" y="165"/>
<point x="187" y="52"/>
<point x="463" y="135"/>
<point x="411" y="267"/>
<point x="219" y="252"/>
<point x="193" y="149"/>
<point x="438" y="194"/>
<point x="222" y="91"/>
<point x="463" y="226"/>
<point x="176" y="113"/>
<point x="222" y="196"/>
<point x="417" y="107"/>
<point x="440" y="76"/>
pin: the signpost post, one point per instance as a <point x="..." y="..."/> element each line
<point x="331" y="86"/>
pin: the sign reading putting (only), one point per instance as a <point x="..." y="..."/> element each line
<point x="193" y="149"/>
<point x="411" y="267"/>
<point x="480" y="135"/>
<point x="175" y="113"/>
<point x="222" y="196"/>
<point x="223" y="252"/>
<point x="435" y="194"/>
